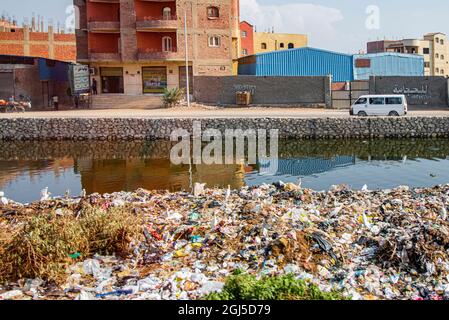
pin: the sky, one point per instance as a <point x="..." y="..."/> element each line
<point x="339" y="25"/>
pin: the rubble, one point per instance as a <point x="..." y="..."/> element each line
<point x="381" y="244"/>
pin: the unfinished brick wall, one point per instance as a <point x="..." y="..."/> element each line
<point x="38" y="44"/>
<point x="7" y="35"/>
<point x="39" y="50"/>
<point x="12" y="49"/>
<point x="64" y="52"/>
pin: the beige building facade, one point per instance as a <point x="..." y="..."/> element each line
<point x="439" y="51"/>
<point x="267" y="41"/>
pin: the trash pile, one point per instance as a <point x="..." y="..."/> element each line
<point x="386" y="244"/>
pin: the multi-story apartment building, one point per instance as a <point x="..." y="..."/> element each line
<point x="138" y="46"/>
<point x="433" y="47"/>
<point x="33" y="40"/>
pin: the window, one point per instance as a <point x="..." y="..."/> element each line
<point x="166" y="13"/>
<point x="426" y="64"/>
<point x="376" y="101"/>
<point x="244" y="34"/>
<point x="437" y="55"/>
<point x="437" y="40"/>
<point x="167" y="44"/>
<point x="263" y="46"/>
<point x="442" y="41"/>
<point x="245" y="52"/>
<point x="214" y="41"/>
<point x="291" y="46"/>
<point x="282" y="45"/>
<point x="437" y="70"/>
<point x="426" y="50"/>
<point x="393" y="100"/>
<point x="442" y="72"/>
<point x="213" y="13"/>
<point x="442" y="57"/>
<point x="361" y="101"/>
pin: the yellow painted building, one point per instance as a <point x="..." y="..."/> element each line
<point x="267" y="41"/>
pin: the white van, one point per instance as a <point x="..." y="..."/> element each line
<point x="393" y="105"/>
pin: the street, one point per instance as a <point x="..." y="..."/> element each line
<point x="212" y="112"/>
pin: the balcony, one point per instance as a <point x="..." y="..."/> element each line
<point x="157" y="24"/>
<point x="95" y="56"/>
<point x="151" y="55"/>
<point x="104" y="26"/>
<point x="106" y="1"/>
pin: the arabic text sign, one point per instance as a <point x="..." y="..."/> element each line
<point x="403" y="90"/>
<point x="81" y="78"/>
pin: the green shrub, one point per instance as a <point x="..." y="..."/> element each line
<point x="173" y="97"/>
<point x="285" y="287"/>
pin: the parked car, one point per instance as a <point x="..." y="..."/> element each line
<point x="380" y="105"/>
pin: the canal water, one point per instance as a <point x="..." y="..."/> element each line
<point x="28" y="167"/>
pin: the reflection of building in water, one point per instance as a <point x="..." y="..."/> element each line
<point x="105" y="176"/>
<point x="11" y="170"/>
<point x="310" y="166"/>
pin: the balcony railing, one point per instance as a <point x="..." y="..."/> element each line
<point x="111" y="26"/>
<point x="104" y="56"/>
<point x="145" y="55"/>
<point x="106" y="1"/>
<point x="157" y="23"/>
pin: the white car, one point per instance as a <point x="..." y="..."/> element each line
<point x="380" y="105"/>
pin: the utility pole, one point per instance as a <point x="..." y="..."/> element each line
<point x="187" y="59"/>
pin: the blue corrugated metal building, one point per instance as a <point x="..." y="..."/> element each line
<point x="342" y="67"/>
<point x="299" y="62"/>
<point x="387" y="64"/>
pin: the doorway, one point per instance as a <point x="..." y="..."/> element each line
<point x="112" y="80"/>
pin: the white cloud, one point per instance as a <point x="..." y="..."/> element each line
<point x="314" y="20"/>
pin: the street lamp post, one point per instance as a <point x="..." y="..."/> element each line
<point x="187" y="60"/>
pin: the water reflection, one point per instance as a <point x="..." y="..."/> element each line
<point x="27" y="167"/>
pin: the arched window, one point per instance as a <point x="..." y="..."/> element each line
<point x="167" y="44"/>
<point x="166" y="13"/>
<point x="213" y="12"/>
<point x="291" y="46"/>
<point x="263" y="46"/>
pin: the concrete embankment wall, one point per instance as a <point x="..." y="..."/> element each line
<point x="130" y="128"/>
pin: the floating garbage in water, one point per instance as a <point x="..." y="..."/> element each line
<point x="45" y="195"/>
<point x="3" y="200"/>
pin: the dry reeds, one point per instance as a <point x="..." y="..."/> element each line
<point x="42" y="246"/>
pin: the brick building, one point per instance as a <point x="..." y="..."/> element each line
<point x="35" y="77"/>
<point x="32" y="41"/>
<point x="247" y="38"/>
<point x="138" y="46"/>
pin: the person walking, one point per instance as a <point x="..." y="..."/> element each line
<point x="94" y="87"/>
<point x="55" y="99"/>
